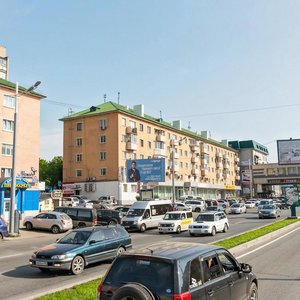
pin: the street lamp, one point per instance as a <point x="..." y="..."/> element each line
<point x="173" y="169"/>
<point x="14" y="155"/>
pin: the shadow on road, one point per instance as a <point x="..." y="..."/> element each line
<point x="279" y="279"/>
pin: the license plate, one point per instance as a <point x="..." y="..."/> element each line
<point x="127" y="226"/>
<point x="41" y="263"/>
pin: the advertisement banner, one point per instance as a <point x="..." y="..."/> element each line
<point x="145" y="170"/>
<point x="292" y="195"/>
<point x="68" y="189"/>
<point x="246" y="175"/>
<point x="288" y="152"/>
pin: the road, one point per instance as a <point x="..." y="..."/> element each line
<point x="20" y="281"/>
<point x="277" y="268"/>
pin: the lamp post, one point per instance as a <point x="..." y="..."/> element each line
<point x="14" y="156"/>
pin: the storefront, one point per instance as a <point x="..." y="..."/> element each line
<point x="27" y="199"/>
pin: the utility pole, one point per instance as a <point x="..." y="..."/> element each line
<point x="173" y="173"/>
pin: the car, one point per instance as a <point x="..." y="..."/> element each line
<point x="108" y="217"/>
<point x="175" y="221"/>
<point x="209" y="223"/>
<point x="3" y="229"/>
<point x="250" y="204"/>
<point x="210" y="202"/>
<point x="122" y="210"/>
<point x="196" y="205"/>
<point x="84" y="203"/>
<point x="98" y="205"/>
<point x="218" y="208"/>
<point x="70" y="201"/>
<point x="186" y="197"/>
<point x="55" y="221"/>
<point x="178" y="271"/>
<point x="232" y="201"/>
<point x="107" y="199"/>
<point x="224" y="202"/>
<point x="81" y="247"/>
<point x="238" y="208"/>
<point x="269" y="211"/>
<point x="264" y="202"/>
<point x="182" y="206"/>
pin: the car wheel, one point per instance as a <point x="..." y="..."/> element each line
<point x="245" y="211"/>
<point x="80" y="225"/>
<point x="55" y="229"/>
<point x="1" y="236"/>
<point x="112" y="222"/>
<point x="120" y="250"/>
<point x="225" y="228"/>
<point x="178" y="229"/>
<point x="77" y="265"/>
<point x="133" y="291"/>
<point x="28" y="226"/>
<point x="213" y="231"/>
<point x="253" y="292"/>
<point x="192" y="234"/>
<point x="143" y="228"/>
<point x="197" y="209"/>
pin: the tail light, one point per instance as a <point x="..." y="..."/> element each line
<point x="63" y="222"/>
<point x="184" y="296"/>
<point x="95" y="221"/>
<point x="99" y="290"/>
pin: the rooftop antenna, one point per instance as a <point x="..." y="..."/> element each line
<point x="160" y="114"/>
<point x="104" y="98"/>
<point x="189" y="127"/>
<point x="119" y="97"/>
<point x="70" y="111"/>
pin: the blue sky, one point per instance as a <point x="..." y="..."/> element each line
<point x="185" y="58"/>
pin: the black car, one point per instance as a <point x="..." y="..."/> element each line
<point x="81" y="247"/>
<point x="123" y="210"/>
<point x="178" y="271"/>
<point x="108" y="217"/>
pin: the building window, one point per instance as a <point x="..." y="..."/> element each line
<point x="148" y="129"/>
<point x="133" y="156"/>
<point x="9" y="101"/>
<point x="142" y="143"/>
<point x="123" y="121"/>
<point x="102" y="172"/>
<point x="186" y="165"/>
<point x="180" y="152"/>
<point x="159" y="145"/>
<point x="78" y="173"/>
<point x="79" y="126"/>
<point x="102" y="155"/>
<point x="142" y="156"/>
<point x="125" y="188"/>
<point x="7" y="149"/>
<point x="186" y="153"/>
<point x="102" y="123"/>
<point x="79" y="142"/>
<point x="149" y="145"/>
<point x="181" y="164"/>
<point x="5" y="172"/>
<point x="141" y="127"/>
<point x="123" y="138"/>
<point x="132" y="124"/>
<point x="8" y="125"/>
<point x="78" y="157"/>
<point x="102" y="139"/>
<point x="124" y="155"/>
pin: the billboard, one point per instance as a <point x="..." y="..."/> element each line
<point x="288" y="152"/>
<point x="145" y="170"/>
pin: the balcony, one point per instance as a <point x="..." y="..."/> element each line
<point x="131" y="146"/>
<point x="219" y="154"/>
<point x="159" y="152"/>
<point x="238" y="177"/>
<point x="176" y="169"/>
<point x="226" y="156"/>
<point x="204" y="172"/>
<point x="193" y="148"/>
<point x="219" y="165"/>
<point x="204" y="149"/>
<point x="226" y="165"/>
<point x="236" y="168"/>
<point x="130" y="130"/>
<point x="195" y="171"/>
<point x="219" y="175"/>
<point x="237" y="160"/>
<point x="195" y="159"/>
<point x="160" y="138"/>
<point x="204" y="161"/>
<point x="226" y="175"/>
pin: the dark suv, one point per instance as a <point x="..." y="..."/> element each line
<point x="178" y="271"/>
<point x="108" y="217"/>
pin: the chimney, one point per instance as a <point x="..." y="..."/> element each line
<point x="177" y="124"/>
<point x="139" y="109"/>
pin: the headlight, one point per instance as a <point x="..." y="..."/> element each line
<point x="206" y="227"/>
<point x="59" y="257"/>
<point x="34" y="254"/>
<point x="173" y="225"/>
<point x="191" y="226"/>
<point x="135" y="221"/>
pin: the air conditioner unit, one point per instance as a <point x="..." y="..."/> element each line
<point x="93" y="178"/>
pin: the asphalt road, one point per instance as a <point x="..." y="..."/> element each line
<point x="277" y="267"/>
<point x="19" y="281"/>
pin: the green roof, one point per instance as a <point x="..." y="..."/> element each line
<point x="250" y="144"/>
<point x="110" y="106"/>
<point x="12" y="86"/>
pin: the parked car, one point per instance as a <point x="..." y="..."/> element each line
<point x="182" y="206"/>
<point x="209" y="223"/>
<point x="70" y="201"/>
<point x="269" y="211"/>
<point x="196" y="205"/>
<point x="82" y="247"/>
<point x="233" y="201"/>
<point x="250" y="204"/>
<point x="98" y="205"/>
<point x="224" y="202"/>
<point x="84" y="203"/>
<point x="175" y="221"/>
<point x="81" y="217"/>
<point x="264" y="202"/>
<point x="238" y="208"/>
<point x="3" y="229"/>
<point x="218" y="208"/>
<point x="108" y="217"/>
<point x="55" y="221"/>
<point x="186" y="197"/>
<point x="178" y="271"/>
<point x="107" y="199"/>
<point x="211" y="202"/>
<point x="123" y="210"/>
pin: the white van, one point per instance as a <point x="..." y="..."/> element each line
<point x="146" y="214"/>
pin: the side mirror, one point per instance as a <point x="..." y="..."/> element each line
<point x="92" y="242"/>
<point x="246" y="268"/>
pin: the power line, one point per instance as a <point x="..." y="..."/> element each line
<point x="59" y="103"/>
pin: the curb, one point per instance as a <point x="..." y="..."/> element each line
<point x="251" y="245"/>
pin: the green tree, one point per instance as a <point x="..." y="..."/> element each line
<point x="51" y="171"/>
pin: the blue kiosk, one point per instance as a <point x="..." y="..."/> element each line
<point x="27" y="199"/>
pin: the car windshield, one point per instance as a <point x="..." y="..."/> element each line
<point x="207" y="218"/>
<point x="156" y="275"/>
<point x="135" y="212"/>
<point x="75" y="237"/>
<point x="212" y="208"/>
<point x="264" y="202"/>
<point x="171" y="216"/>
<point x="235" y="205"/>
<point x="268" y="207"/>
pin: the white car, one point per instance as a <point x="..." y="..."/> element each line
<point x="196" y="205"/>
<point x="250" y="204"/>
<point x="175" y="221"/>
<point x="70" y="201"/>
<point x="264" y="202"/>
<point x="238" y="208"/>
<point x="181" y="206"/>
<point x="209" y="223"/>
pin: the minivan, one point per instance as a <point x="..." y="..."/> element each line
<point x="146" y="214"/>
<point x="81" y="217"/>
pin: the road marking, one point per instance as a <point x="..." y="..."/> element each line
<point x="267" y="244"/>
<point x="15" y="255"/>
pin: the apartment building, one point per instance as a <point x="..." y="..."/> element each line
<point x="98" y="142"/>
<point x="4" y="62"/>
<point x="28" y="147"/>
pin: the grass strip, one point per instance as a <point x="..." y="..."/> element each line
<point x="87" y="291"/>
<point x="254" y="234"/>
